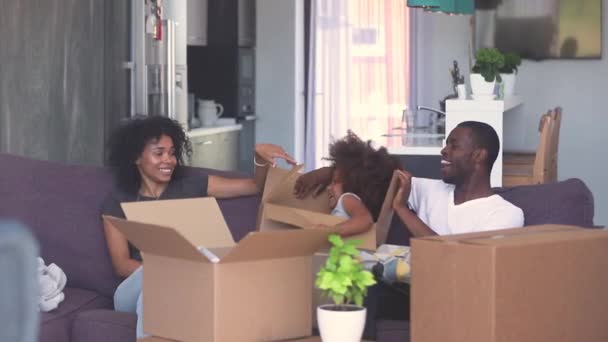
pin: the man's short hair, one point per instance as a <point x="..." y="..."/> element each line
<point x="484" y="136"/>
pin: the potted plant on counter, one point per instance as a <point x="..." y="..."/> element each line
<point x="344" y="280"/>
<point x="507" y="73"/>
<point x="486" y="72"/>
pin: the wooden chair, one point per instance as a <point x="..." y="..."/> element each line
<point x="556" y="114"/>
<point x="540" y="171"/>
<point x="512" y="158"/>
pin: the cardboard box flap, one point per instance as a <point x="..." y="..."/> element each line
<point x="385" y="217"/>
<point x="200" y="220"/>
<point x="538" y="237"/>
<point x="456" y="238"/>
<point x="277" y="175"/>
<point x="278" y="244"/>
<point x="281" y="183"/>
<point x="300" y="217"/>
<point x="157" y="240"/>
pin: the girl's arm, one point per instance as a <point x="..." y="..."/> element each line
<point x="119" y="251"/>
<point x="360" y="218"/>
<point x="314" y="182"/>
<point x="266" y="155"/>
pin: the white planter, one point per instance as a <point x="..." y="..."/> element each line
<point x="480" y="88"/>
<point x="508" y="84"/>
<point x="341" y="326"/>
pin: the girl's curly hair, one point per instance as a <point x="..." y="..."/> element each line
<point x="128" y="142"/>
<point x="364" y="171"/>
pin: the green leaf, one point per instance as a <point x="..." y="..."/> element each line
<point x="343" y="278"/>
<point x="358" y="299"/>
<point x="347" y="264"/>
<point x="338" y="299"/>
<point x="352" y="243"/>
<point x="336" y="240"/>
<point x="351" y="250"/>
<point x="325" y="280"/>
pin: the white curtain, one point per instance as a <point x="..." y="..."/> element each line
<point x="358" y="72"/>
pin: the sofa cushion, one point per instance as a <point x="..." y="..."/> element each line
<point x="104" y="325"/>
<point x="61" y="204"/>
<point x="568" y="202"/>
<point x="57" y="324"/>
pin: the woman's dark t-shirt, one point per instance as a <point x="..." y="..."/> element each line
<point x="186" y="187"/>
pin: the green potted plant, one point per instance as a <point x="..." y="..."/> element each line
<point x="344" y="280"/>
<point x="486" y="72"/>
<point x="507" y="73"/>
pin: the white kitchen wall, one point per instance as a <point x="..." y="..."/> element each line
<point x="579" y="86"/>
<point x="280" y="74"/>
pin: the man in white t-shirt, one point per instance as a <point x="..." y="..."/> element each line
<point x="463" y="201"/>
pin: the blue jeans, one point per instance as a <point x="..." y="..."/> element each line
<point x="128" y="298"/>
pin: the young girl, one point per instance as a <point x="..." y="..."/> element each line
<point x="360" y="179"/>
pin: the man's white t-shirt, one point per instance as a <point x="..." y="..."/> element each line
<point x="433" y="202"/>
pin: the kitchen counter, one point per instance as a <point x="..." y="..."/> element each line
<point x="417" y="152"/>
<point x="402" y="143"/>
<point x="201" y="131"/>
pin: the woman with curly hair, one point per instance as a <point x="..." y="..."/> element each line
<point x="147" y="155"/>
<point x="360" y="179"/>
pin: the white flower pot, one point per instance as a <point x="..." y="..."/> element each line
<point x="480" y="88"/>
<point x="508" y="84"/>
<point x="341" y="326"/>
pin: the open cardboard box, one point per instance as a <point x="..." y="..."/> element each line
<point x="254" y="290"/>
<point x="280" y="209"/>
<point x="536" y="284"/>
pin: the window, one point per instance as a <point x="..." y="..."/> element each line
<point x="359" y="71"/>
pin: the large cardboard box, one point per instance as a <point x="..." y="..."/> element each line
<point x="536" y="284"/>
<point x="280" y="209"/>
<point x="256" y="290"/>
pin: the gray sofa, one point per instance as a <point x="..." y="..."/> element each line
<point x="62" y="206"/>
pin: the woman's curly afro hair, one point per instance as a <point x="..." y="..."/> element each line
<point x="128" y="142"/>
<point x="364" y="171"/>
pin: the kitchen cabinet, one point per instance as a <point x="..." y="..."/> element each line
<point x="221" y="23"/>
<point x="246" y="23"/>
<point x="215" y="151"/>
<point x="197" y="22"/>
